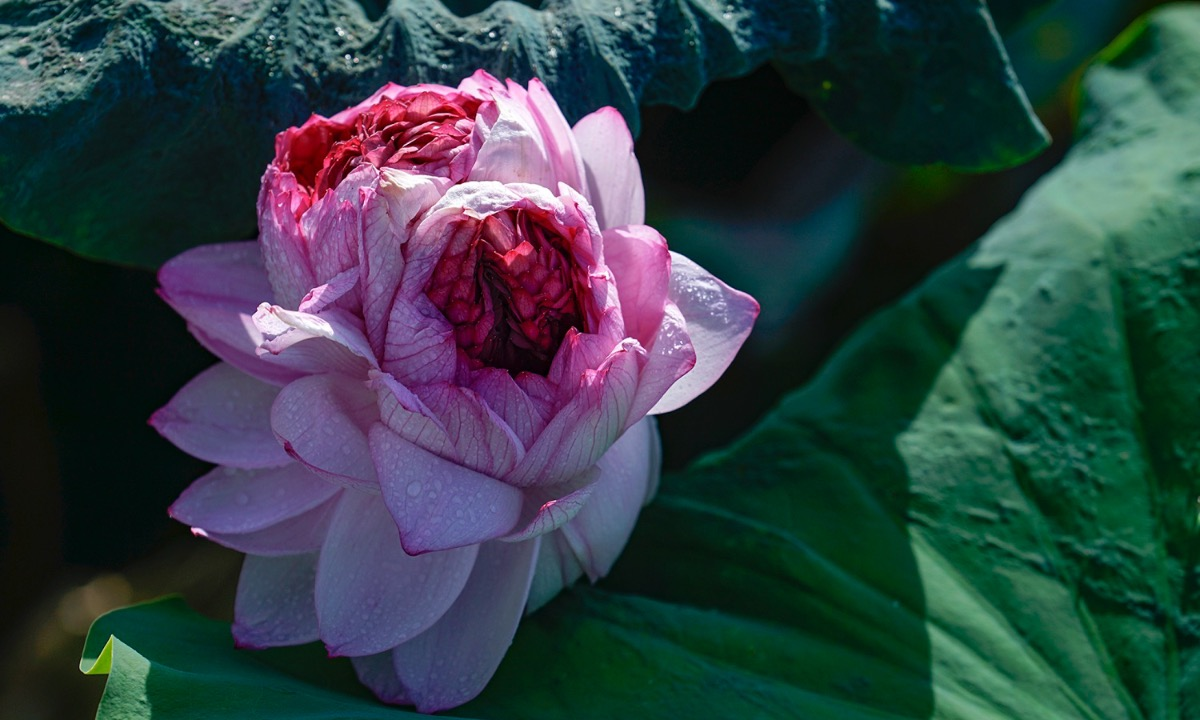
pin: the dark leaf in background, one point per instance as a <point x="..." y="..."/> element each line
<point x="984" y="507"/>
<point x="132" y="129"/>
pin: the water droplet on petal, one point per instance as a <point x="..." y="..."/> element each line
<point x="414" y="488"/>
<point x="242" y="498"/>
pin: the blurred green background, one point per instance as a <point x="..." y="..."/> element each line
<point x="819" y="231"/>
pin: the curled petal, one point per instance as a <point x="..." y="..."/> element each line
<point x="627" y="472"/>
<point x="284" y="252"/>
<point x="548" y="508"/>
<point x="614" y="180"/>
<point x="370" y="594"/>
<point x="669" y="358"/>
<point x="420" y="347"/>
<point x="506" y="398"/>
<point x="232" y="500"/>
<point x="322" y="421"/>
<point x="718" y="318"/>
<point x="313" y="343"/>
<point x="274" y="603"/>
<point x="438" y="504"/>
<point x="223" y="416"/>
<point x="452" y="661"/>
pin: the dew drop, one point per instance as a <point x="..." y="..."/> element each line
<point x="618" y="12"/>
<point x="414" y="488"/>
<point x="553" y="53"/>
<point x="492" y="35"/>
<point x="242" y="498"/>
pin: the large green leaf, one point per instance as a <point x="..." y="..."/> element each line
<point x="985" y="507"/>
<point x="133" y="129"/>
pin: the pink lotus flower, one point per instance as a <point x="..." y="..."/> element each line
<point x="441" y="363"/>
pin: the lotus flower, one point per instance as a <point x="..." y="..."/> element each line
<point x="441" y="363"/>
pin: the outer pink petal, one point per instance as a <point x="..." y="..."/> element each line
<point x="285" y="254"/>
<point x="223" y="416"/>
<point x="560" y="141"/>
<point x="322" y="421"/>
<point x="641" y="265"/>
<point x="482" y="440"/>
<point x="274" y="603"/>
<point x="586" y="427"/>
<point x="216" y="288"/>
<point x="614" y="180"/>
<point x="332" y="226"/>
<point x="231" y="500"/>
<point x="304" y="533"/>
<point x="555" y="569"/>
<point x="451" y="662"/>
<point x="378" y="672"/>
<point x="370" y="594"/>
<point x="627" y="472"/>
<point x="719" y="319"/>
<point x="438" y="504"/>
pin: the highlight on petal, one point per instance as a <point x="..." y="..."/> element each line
<point x="598" y="534"/>
<point x="370" y="594"/>
<point x="438" y="504"/>
<point x="452" y="661"/>
<point x="303" y="533"/>
<point x="614" y="179"/>
<point x="718" y="318"/>
<point x="641" y="266"/>
<point x="322" y="421"/>
<point x="223" y="416"/>
<point x="274" y="605"/>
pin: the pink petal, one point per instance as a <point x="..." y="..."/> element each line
<point x="548" y="508"/>
<point x="560" y="141"/>
<point x="405" y="414"/>
<point x="370" y="594"/>
<point x="556" y="568"/>
<point x="513" y="149"/>
<point x="304" y="533"/>
<point x="420" y="347"/>
<point x="378" y="672"/>
<point x="614" y="180"/>
<point x="332" y="225"/>
<point x="719" y="319"/>
<point x="627" y="472"/>
<point x="482" y="440"/>
<point x="586" y="427"/>
<point x="387" y="215"/>
<point x="274" y="603"/>
<point x="223" y="416"/>
<point x="322" y="421"/>
<point x="284" y="251"/>
<point x="216" y="288"/>
<point x="669" y="357"/>
<point x="438" y="504"/>
<point x="518" y="410"/>
<point x="231" y="500"/>
<point x="451" y="662"/>
<point x="641" y="265"/>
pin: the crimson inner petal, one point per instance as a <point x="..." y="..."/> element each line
<point x="509" y="287"/>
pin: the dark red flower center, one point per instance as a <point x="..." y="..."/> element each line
<point x="511" y="290"/>
<point x="423" y="130"/>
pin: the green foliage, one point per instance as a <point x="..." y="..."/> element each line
<point x="985" y="507"/>
<point x="133" y="129"/>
